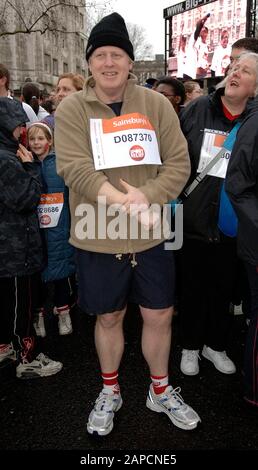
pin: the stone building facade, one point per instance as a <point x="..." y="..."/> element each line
<point x="144" y="69"/>
<point x="43" y="57"/>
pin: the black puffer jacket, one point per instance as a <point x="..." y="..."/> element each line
<point x="201" y="207"/>
<point x="20" y="190"/>
<point x="242" y="186"/>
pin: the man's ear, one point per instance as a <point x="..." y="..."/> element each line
<point x="89" y="70"/>
<point x="178" y="99"/>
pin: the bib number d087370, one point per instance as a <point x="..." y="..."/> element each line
<point x="122" y="141"/>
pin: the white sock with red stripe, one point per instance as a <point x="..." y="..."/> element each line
<point x="160" y="383"/>
<point x="110" y="381"/>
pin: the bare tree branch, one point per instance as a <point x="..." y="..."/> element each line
<point x="142" y="49"/>
<point x="47" y="10"/>
<point x="42" y="10"/>
<point x="18" y="13"/>
<point x="41" y="31"/>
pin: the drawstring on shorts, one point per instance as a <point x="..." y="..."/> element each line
<point x="132" y="258"/>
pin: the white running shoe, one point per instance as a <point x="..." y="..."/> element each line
<point x="39" y="324"/>
<point x="101" y="417"/>
<point x="189" y="362"/>
<point x="42" y="366"/>
<point x="171" y="403"/>
<point x="7" y="352"/>
<point x="220" y="360"/>
<point x="64" y="321"/>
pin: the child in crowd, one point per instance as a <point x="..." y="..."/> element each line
<point x="21" y="256"/>
<point x="54" y="219"/>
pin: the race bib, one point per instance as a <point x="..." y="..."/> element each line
<point x="49" y="209"/>
<point x="212" y="143"/>
<point x="124" y="141"/>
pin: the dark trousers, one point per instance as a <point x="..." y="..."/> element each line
<point x="18" y="301"/>
<point x="64" y="292"/>
<point x="251" y="344"/>
<point x="205" y="284"/>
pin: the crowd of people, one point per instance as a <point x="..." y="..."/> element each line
<point x="193" y="61"/>
<point x="35" y="227"/>
<point x="196" y="59"/>
<point x="84" y="201"/>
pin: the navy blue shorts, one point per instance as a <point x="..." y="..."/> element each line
<point x="107" y="282"/>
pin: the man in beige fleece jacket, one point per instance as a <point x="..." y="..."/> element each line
<point x="123" y="156"/>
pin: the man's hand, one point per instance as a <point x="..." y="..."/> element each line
<point x="134" y="198"/>
<point x="149" y="219"/>
<point x="204" y="19"/>
<point x="138" y="205"/>
<point x="24" y="154"/>
<point x="134" y="202"/>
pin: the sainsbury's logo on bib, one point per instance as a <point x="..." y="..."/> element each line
<point x="127" y="121"/>
<point x="124" y="140"/>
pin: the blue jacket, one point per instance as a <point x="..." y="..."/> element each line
<point x="60" y="254"/>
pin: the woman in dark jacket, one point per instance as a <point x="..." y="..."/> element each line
<point x="208" y="259"/>
<point x="242" y="187"/>
<point x="20" y="246"/>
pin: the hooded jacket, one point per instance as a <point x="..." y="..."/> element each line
<point x="201" y="208"/>
<point x="242" y="186"/>
<point x="20" y="189"/>
<point x="75" y="163"/>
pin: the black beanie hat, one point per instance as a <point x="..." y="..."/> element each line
<point x="110" y="31"/>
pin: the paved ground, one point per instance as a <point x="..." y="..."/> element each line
<point x="51" y="413"/>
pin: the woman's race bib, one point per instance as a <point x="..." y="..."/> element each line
<point x="212" y="143"/>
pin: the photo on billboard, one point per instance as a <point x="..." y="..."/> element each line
<point x="200" y="39"/>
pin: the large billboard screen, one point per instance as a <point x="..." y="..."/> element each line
<point x="201" y="34"/>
